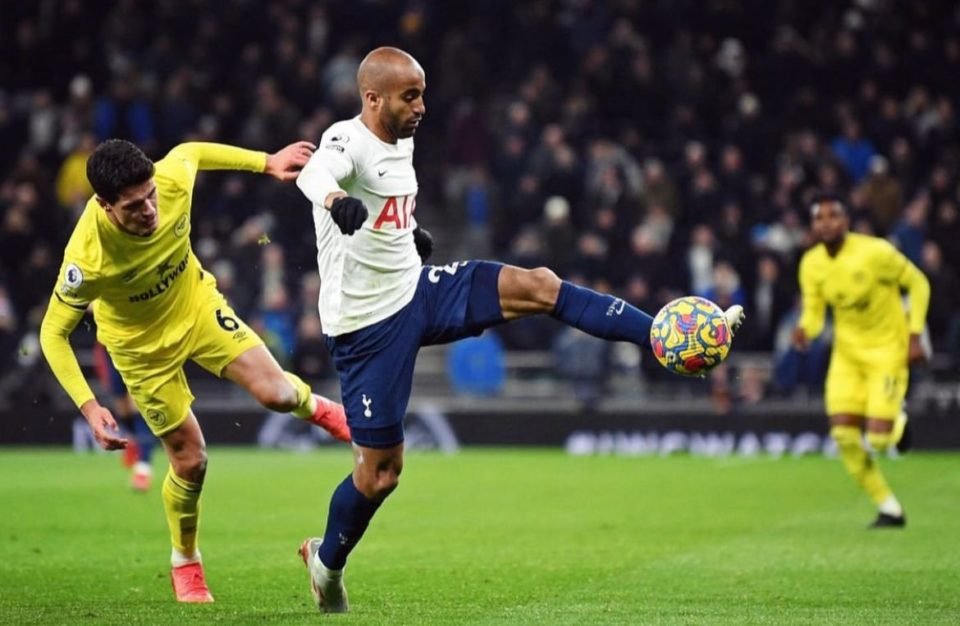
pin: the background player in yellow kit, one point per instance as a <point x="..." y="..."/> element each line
<point x="155" y="307"/>
<point x="860" y="278"/>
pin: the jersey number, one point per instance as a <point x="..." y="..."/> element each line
<point x="451" y="268"/>
<point x="226" y="322"/>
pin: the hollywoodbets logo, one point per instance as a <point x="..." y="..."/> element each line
<point x="169" y="274"/>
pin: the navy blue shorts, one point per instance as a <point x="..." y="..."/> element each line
<point x="376" y="363"/>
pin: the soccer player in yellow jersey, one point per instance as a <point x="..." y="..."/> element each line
<point x="861" y="279"/>
<point x="156" y="307"/>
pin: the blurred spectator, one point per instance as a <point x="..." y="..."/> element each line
<point x="853" y="150"/>
<point x="700" y="258"/>
<point x="658" y="188"/>
<point x="311" y="359"/>
<point x="725" y="288"/>
<point x="560" y="237"/>
<point x="73" y="189"/>
<point x="475" y="365"/>
<point x="8" y="326"/>
<point x="909" y="232"/>
<point x="123" y="114"/>
<point x="771" y="298"/>
<point x="944" y="316"/>
<point x="882" y="194"/>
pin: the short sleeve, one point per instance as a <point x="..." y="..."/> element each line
<point x="76" y="285"/>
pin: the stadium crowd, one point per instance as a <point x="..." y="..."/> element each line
<point x="651" y="148"/>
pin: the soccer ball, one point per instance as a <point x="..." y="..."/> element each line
<point x="690" y="336"/>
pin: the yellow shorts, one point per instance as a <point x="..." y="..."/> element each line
<point x="159" y="387"/>
<point x="871" y="383"/>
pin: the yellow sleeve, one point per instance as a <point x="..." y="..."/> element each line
<point x="895" y="267"/>
<point x="814" y="307"/>
<point x="58" y="323"/>
<point x="218" y="156"/>
<point x="918" y="290"/>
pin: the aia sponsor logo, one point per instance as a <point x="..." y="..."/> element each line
<point x="396" y="211"/>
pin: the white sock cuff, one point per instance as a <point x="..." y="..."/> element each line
<point x="178" y="559"/>
<point x="891" y="506"/>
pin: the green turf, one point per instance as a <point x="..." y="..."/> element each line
<point x="499" y="537"/>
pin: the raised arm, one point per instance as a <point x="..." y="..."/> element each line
<point x="284" y="165"/>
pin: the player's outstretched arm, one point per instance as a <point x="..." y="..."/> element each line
<point x="55" y="330"/>
<point x="285" y="164"/>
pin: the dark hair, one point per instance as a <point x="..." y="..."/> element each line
<point x="115" y="165"/>
<point x="827" y="196"/>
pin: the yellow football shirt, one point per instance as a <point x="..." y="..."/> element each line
<point x="862" y="285"/>
<point x="142" y="288"/>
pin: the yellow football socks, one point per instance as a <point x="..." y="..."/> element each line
<point x="860" y="464"/>
<point x="307" y="404"/>
<point x="181" y="503"/>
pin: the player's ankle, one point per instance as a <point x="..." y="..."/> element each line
<point x="891" y="506"/>
<point x="179" y="559"/>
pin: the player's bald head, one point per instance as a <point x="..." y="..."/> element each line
<point x="383" y="69"/>
<point x="391" y="86"/>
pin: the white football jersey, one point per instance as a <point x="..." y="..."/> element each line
<point x="370" y="275"/>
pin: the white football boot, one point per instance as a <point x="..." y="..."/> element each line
<point x="735" y="317"/>
<point x="326" y="584"/>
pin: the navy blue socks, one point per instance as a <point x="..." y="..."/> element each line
<point x="350" y="513"/>
<point x="602" y="315"/>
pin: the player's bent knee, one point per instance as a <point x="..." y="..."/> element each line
<point x="879" y="442"/>
<point x="191" y="465"/>
<point x="846" y="436"/>
<point x="543" y="287"/>
<point x="378" y="482"/>
<point x="378" y="487"/>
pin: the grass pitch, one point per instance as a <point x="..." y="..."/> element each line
<point x="491" y="537"/>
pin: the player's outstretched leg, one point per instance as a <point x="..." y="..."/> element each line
<point x="258" y="372"/>
<point x="327" y="586"/>
<point x="319" y="411"/>
<point x="524" y="292"/>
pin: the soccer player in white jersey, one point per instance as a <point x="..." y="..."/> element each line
<point x="379" y="304"/>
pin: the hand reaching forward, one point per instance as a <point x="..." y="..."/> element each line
<point x="285" y="164"/>
<point x="103" y="426"/>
